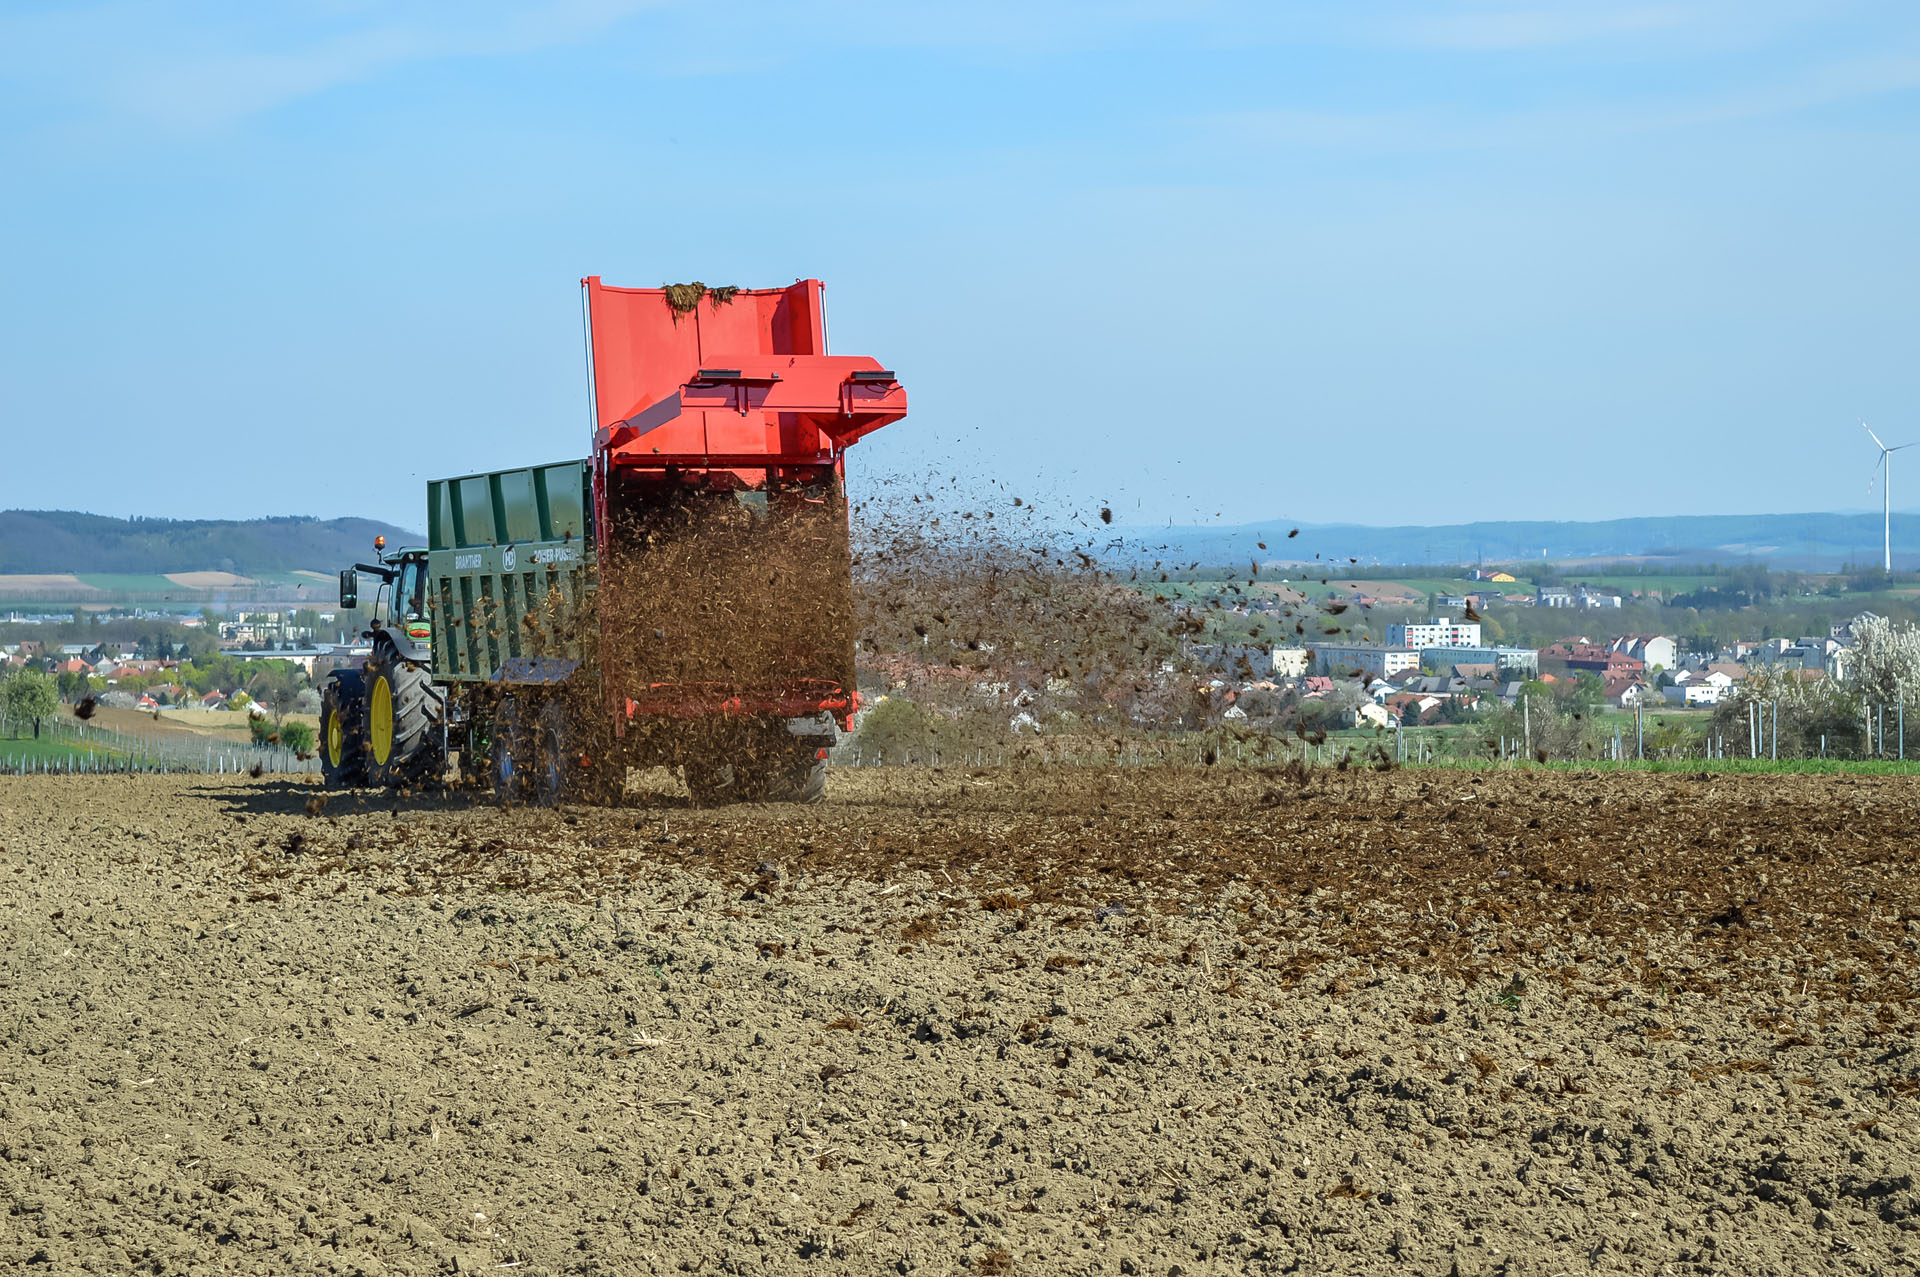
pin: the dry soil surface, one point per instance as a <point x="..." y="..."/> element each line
<point x="209" y="580"/>
<point x="1044" y="1022"/>
<point x="65" y="584"/>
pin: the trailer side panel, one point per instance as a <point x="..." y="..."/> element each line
<point x="511" y="573"/>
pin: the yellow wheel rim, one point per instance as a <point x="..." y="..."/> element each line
<point x="336" y="739"/>
<point x="380" y="717"/>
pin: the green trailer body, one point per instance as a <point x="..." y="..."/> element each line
<point x="511" y="573"/>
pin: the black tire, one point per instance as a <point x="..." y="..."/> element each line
<point x="711" y="784"/>
<point x="801" y="778"/>
<point x="343" y="759"/>
<point x="508" y="755"/>
<point x="556" y="776"/>
<point x="402" y="724"/>
<point x="813" y="786"/>
<point x="781" y="771"/>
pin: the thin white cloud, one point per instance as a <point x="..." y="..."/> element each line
<point x="197" y="71"/>
<point x="193" y="66"/>
<point x="1535" y="26"/>
<point x="1666" y="26"/>
<point x="1451" y="127"/>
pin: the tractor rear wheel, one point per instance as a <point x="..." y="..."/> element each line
<point x="402" y="724"/>
<point x="343" y="759"/>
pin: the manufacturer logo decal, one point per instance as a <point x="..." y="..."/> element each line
<point x="506" y="559"/>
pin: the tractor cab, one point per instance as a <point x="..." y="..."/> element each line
<point x="400" y="610"/>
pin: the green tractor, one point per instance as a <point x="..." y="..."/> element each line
<point x="384" y="725"/>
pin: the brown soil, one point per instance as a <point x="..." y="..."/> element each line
<point x="28" y="583"/>
<point x="139" y="722"/>
<point x="1064" y="1021"/>
<point x="220" y="725"/>
<point x="209" y="580"/>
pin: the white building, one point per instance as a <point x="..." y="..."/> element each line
<point x="1693" y="692"/>
<point x="1655" y="651"/>
<point x="1438" y="632"/>
<point x="1291" y="662"/>
<point x="1374" y="716"/>
<point x="1366" y="658"/>
<point x="1634" y="693"/>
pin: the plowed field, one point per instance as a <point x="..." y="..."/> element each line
<point x="1066" y="1021"/>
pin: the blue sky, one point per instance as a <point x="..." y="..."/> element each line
<point x="1381" y="262"/>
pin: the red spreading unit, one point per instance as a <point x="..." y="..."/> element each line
<point x="725" y="580"/>
<point x="741" y="382"/>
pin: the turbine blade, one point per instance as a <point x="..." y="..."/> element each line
<point x="1898" y="447"/>
<point x="1876" y="438"/>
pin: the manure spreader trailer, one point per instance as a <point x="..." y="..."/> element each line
<point x="683" y="597"/>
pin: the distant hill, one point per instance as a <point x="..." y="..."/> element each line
<point x="1806" y="542"/>
<point x="65" y="541"/>
<point x="57" y="541"/>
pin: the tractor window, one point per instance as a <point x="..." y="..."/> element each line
<point x="410" y="599"/>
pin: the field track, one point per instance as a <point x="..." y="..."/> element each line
<point x="1040" y="1021"/>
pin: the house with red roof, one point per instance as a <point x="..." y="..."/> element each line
<point x="1627" y="691"/>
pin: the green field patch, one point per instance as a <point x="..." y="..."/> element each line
<point x="1626" y="585"/>
<point x="45" y="749"/>
<point x="1424" y="586"/>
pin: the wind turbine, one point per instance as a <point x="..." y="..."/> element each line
<point x="1885" y="465"/>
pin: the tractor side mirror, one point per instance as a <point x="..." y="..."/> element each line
<point x="349" y="589"/>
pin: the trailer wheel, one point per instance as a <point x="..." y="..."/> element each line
<point x="343" y="760"/>
<point x="782" y="771"/>
<point x="813" y="786"/>
<point x="798" y="778"/>
<point x="508" y="752"/>
<point x="711" y="784"/>
<point x="556" y="778"/>
<point x="402" y="724"/>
